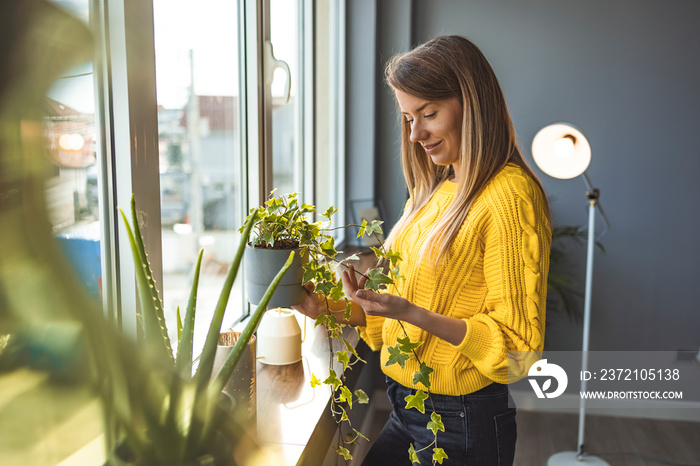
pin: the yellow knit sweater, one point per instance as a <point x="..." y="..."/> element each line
<point x="495" y="280"/>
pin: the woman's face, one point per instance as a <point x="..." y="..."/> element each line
<point x="435" y="124"/>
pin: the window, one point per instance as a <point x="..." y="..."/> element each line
<point x="71" y="191"/>
<point x="186" y="128"/>
<point x="202" y="174"/>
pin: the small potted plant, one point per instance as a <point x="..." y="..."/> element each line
<point x="282" y="226"/>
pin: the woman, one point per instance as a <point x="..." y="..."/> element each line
<point x="474" y="240"/>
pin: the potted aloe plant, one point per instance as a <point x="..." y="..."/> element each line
<point x="156" y="412"/>
<point x="193" y="419"/>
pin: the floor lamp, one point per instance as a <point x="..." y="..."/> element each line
<point x="563" y="152"/>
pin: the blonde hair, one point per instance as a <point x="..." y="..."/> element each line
<point x="445" y="67"/>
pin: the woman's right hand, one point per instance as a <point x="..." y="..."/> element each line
<point x="313" y="306"/>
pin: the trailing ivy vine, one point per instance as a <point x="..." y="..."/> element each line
<point x="282" y="223"/>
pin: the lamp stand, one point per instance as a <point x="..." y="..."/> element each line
<point x="579" y="457"/>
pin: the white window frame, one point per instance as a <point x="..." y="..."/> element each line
<point x="126" y="112"/>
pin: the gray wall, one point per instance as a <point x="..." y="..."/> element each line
<point x="626" y="73"/>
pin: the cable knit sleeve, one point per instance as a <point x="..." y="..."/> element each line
<point x="516" y="238"/>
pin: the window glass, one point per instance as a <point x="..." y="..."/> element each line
<point x="71" y="190"/>
<point x="285" y="35"/>
<point x="201" y="176"/>
<point x="45" y="417"/>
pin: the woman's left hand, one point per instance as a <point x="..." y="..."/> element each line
<point x="377" y="304"/>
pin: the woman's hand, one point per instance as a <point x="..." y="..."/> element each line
<point x="395" y="307"/>
<point x="313" y="306"/>
<point x="378" y="304"/>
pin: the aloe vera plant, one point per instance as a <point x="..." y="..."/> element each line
<point x="193" y="416"/>
<point x="155" y="410"/>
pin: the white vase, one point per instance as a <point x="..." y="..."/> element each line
<point x="279" y="338"/>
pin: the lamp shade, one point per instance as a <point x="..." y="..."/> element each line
<point x="561" y="151"/>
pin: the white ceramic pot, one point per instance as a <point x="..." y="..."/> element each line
<point x="279" y="338"/>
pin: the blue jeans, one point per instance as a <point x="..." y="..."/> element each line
<point x="480" y="429"/>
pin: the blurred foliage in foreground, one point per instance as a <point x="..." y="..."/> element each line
<point x="58" y="353"/>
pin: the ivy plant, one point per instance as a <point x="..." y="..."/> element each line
<point x="404" y="350"/>
<point x="283" y="223"/>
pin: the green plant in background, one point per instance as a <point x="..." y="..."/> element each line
<point x="562" y="292"/>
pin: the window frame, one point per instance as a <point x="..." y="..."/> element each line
<point x="126" y="117"/>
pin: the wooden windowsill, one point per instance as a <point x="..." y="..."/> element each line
<point x="294" y="418"/>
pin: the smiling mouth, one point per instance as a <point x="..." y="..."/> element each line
<point x="431" y="147"/>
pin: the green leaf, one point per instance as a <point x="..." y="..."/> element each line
<point x="207" y="391"/>
<point x="376" y="278"/>
<point x="412" y="455"/>
<point x="179" y="326"/>
<point x="332" y="379"/>
<point x="422" y="375"/>
<point x="337" y="292"/>
<point x="353" y="257"/>
<point x="406" y="346"/>
<point x="363" y="227"/>
<point x="184" y="348"/>
<point x="309" y="272"/>
<point x="394" y="257"/>
<point x="396" y="273"/>
<point x="206" y="363"/>
<point x="344" y="358"/>
<point x="396" y="356"/>
<point x="328" y="320"/>
<point x="344" y="452"/>
<point x="155" y="330"/>
<point x="375" y="227"/>
<point x="351" y="349"/>
<point x="324" y="287"/>
<point x="328" y="247"/>
<point x="359" y="434"/>
<point x="308" y="208"/>
<point x="417" y="401"/>
<point x="348" y="311"/>
<point x="315" y="381"/>
<point x="329" y="212"/>
<point x="362" y="397"/>
<point x="435" y="423"/>
<point x="344" y="416"/>
<point x="345" y="396"/>
<point x="439" y="455"/>
<point x="378" y="252"/>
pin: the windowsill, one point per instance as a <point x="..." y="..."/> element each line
<point x="294" y="418"/>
